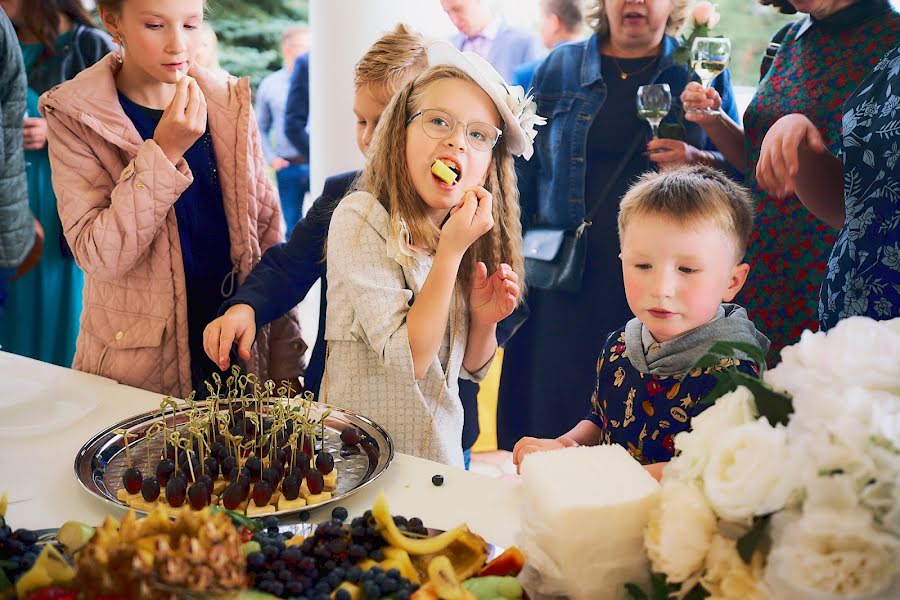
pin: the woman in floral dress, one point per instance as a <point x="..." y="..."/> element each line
<point x="860" y="195"/>
<point x="821" y="61"/>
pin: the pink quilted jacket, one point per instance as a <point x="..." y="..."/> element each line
<point x="115" y="194"/>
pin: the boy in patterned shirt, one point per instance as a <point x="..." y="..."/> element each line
<point x="683" y="234"/>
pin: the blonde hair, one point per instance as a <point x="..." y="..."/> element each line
<point x="386" y="177"/>
<point x="392" y="61"/>
<point x="691" y="195"/>
<point x="595" y="17"/>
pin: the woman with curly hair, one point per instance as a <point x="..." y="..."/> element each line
<point x="58" y="41"/>
<point x="587" y="90"/>
<point x="820" y="62"/>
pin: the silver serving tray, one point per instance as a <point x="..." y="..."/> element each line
<point x="101" y="461"/>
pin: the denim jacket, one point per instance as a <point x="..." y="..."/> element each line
<point x="569" y="91"/>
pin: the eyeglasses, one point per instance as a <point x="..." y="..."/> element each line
<point x="439" y="125"/>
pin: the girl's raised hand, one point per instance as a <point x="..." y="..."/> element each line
<point x="183" y="121"/>
<point x="493" y="298"/>
<point x="469" y="220"/>
<point x="237" y="324"/>
<point x="694" y="97"/>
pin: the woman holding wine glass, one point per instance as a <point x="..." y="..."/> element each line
<point x="592" y="148"/>
<point x="820" y="61"/>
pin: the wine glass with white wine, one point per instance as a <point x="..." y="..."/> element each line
<point x="709" y="57"/>
<point x="653" y="104"/>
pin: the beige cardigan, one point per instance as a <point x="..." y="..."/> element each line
<point x="373" y="279"/>
<point x="115" y="195"/>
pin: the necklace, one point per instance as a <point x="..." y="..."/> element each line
<point x="625" y="75"/>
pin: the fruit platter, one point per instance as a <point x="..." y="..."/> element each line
<point x="247" y="447"/>
<point x="217" y="553"/>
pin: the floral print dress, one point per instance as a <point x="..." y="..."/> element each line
<point x="644" y="412"/>
<point x="864" y="268"/>
<point x="818" y="66"/>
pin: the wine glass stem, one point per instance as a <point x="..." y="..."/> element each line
<point x="655" y="128"/>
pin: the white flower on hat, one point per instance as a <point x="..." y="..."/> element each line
<point x="524" y="109"/>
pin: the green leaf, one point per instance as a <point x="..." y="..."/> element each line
<point x="746" y="546"/>
<point x="734" y="350"/>
<point x="659" y="586"/>
<point x="238" y="518"/>
<point x="698" y="593"/>
<point x="6" y="586"/>
<point x="775" y="406"/>
<point x="635" y="593"/>
<point x="725" y="383"/>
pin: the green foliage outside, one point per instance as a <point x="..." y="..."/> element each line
<point x="250" y="33"/>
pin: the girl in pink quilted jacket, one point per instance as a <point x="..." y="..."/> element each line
<point x="164" y="200"/>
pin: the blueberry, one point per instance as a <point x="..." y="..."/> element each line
<point x="304" y="515"/>
<point x="401" y="595"/>
<point x="256" y="561"/>
<point x="339" y="513"/>
<point x="388" y="587"/>
<point x="393" y="574"/>
<point x="353" y="574"/>
<point x="276" y="588"/>
<point x="371" y="590"/>
<point x="285" y="575"/>
<point x="342" y="594"/>
<point x="438" y="480"/>
<point x="376" y="555"/>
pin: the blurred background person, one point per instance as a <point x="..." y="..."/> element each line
<point x="561" y="21"/>
<point x="208" y="50"/>
<point x="296" y="128"/>
<point x="58" y="40"/>
<point x="291" y="167"/>
<point x="20" y="234"/>
<point x="489" y="36"/>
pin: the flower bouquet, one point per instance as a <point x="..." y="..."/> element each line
<point x="789" y="486"/>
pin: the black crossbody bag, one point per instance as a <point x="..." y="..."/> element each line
<point x="555" y="257"/>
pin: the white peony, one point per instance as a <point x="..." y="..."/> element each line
<point x="679" y="531"/>
<point x="693" y="447"/>
<point x="749" y="471"/>
<point x="858" y="351"/>
<point x="827" y="554"/>
<point x="728" y="577"/>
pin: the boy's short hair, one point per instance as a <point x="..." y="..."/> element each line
<point x="691" y="195"/>
<point x="393" y="60"/>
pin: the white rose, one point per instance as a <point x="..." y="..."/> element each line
<point x="749" y="471"/>
<point x="728" y="577"/>
<point x="858" y="351"/>
<point x="679" y="531"/>
<point x="830" y="554"/>
<point x="693" y="447"/>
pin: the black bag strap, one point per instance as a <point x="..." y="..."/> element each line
<point x="626" y="158"/>
<point x="772" y="50"/>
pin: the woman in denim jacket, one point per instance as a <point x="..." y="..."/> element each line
<point x="587" y="90"/>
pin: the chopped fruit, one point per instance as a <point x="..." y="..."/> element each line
<point x="150" y="489"/>
<point x="509" y="563"/>
<point x="350" y="436"/>
<point x="132" y="479"/>
<point x="325" y="463"/>
<point x="443" y="172"/>
<point x="73" y="535"/>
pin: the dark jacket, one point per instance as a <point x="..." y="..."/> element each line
<point x="86" y="46"/>
<point x="296" y="112"/>
<point x="16" y="224"/>
<point x="569" y="91"/>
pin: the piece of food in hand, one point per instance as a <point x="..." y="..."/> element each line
<point x="442" y="171"/>
<point x="178" y="75"/>
<point x="50" y="569"/>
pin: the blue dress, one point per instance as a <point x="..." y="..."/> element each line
<point x="203" y="237"/>
<point x="644" y="412"/>
<point x="43" y="309"/>
<point x="864" y="269"/>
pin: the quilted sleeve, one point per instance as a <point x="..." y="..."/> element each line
<point x="110" y="222"/>
<point x="268" y="220"/>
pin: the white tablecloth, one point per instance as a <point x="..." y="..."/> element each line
<point x="37" y="469"/>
